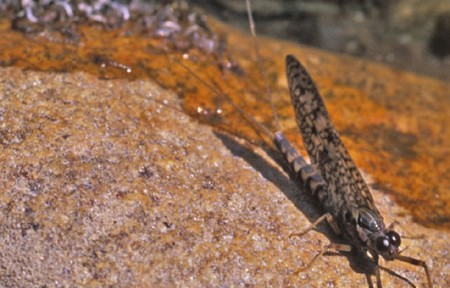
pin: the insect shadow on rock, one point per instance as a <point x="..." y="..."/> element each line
<point x="332" y="177"/>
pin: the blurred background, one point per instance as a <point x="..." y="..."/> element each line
<point x="408" y="34"/>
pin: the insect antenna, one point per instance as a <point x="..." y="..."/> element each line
<point x="243" y="113"/>
<point x="249" y="118"/>
<point x="260" y="64"/>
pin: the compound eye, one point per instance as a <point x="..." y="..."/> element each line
<point x="394" y="238"/>
<point x="382" y="244"/>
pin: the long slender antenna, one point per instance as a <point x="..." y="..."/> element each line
<point x="244" y="114"/>
<point x="260" y="65"/>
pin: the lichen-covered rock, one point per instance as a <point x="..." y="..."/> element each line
<point x="103" y="185"/>
<point x="109" y="183"/>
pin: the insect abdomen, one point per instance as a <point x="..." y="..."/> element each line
<point x="309" y="178"/>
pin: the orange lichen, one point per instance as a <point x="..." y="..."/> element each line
<point x="394" y="123"/>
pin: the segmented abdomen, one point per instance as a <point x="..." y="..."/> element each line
<point x="305" y="173"/>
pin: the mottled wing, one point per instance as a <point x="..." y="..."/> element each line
<point x="326" y="150"/>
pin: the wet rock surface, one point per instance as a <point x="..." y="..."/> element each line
<point x="104" y="185"/>
<point x="109" y="182"/>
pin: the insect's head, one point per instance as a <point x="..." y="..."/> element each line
<point x="382" y="241"/>
<point x="387" y="243"/>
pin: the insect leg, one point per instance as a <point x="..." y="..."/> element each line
<point x="369" y="280"/>
<point x="417" y="262"/>
<point x="395" y="274"/>
<point x="408" y="260"/>
<point x="328" y="248"/>
<point x="377" y="271"/>
<point x="327" y="217"/>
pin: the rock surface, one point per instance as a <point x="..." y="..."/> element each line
<point x="109" y="183"/>
<point x="102" y="185"/>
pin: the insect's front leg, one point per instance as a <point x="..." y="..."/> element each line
<point x="417" y="262"/>
<point x="377" y="272"/>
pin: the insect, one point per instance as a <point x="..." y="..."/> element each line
<point x="332" y="177"/>
<point x="337" y="184"/>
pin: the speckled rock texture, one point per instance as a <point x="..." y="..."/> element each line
<point x="108" y="183"/>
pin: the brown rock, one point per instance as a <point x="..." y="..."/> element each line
<point x="110" y="183"/>
<point x="102" y="185"/>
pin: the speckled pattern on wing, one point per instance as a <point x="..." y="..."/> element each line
<point x="346" y="187"/>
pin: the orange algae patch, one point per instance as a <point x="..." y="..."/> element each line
<point x="393" y="123"/>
